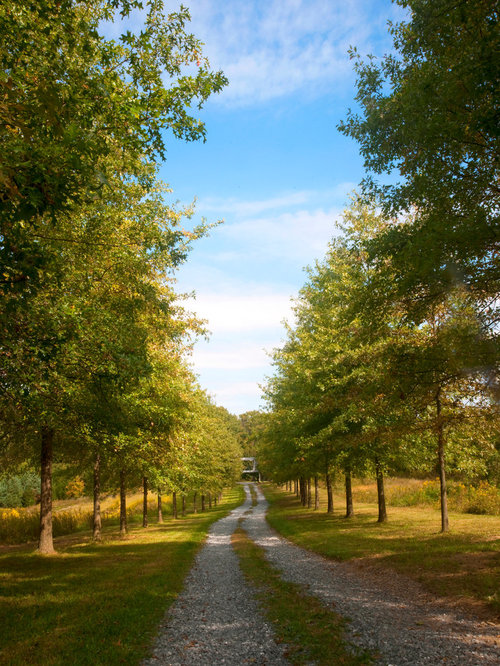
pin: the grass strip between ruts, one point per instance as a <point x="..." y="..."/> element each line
<point x="311" y="632"/>
<point x="97" y="604"/>
<point x="253" y="494"/>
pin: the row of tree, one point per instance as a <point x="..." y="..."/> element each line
<point x="393" y="359"/>
<point x="93" y="337"/>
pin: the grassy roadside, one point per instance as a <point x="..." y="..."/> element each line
<point x="463" y="564"/>
<point x="97" y="603"/>
<point x="311" y="632"/>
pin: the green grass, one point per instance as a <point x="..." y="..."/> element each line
<point x="311" y="632"/>
<point x="463" y="563"/>
<point x="253" y="494"/>
<point x="97" y="603"/>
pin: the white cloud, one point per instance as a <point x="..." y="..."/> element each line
<point x="275" y="48"/>
<point x="294" y="227"/>
<point x="237" y="358"/>
<point x="299" y="236"/>
<point x="238" y="397"/>
<point x="279" y="47"/>
<point x="237" y="311"/>
<point x="241" y="208"/>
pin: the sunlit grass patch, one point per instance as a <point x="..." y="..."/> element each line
<point x="97" y="603"/>
<point x="310" y="631"/>
<point x="463" y="563"/>
<point x="21" y="525"/>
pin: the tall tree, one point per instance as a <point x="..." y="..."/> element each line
<point x="73" y="352"/>
<point x="430" y="111"/>
<point x="72" y="97"/>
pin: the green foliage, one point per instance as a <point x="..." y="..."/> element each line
<point x="428" y="111"/>
<point x="93" y="337"/>
<point x="251" y="429"/>
<point x="73" y="98"/>
<point x="19" y="490"/>
<point x="359" y="385"/>
<point x="97" y="350"/>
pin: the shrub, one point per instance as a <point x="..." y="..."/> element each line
<point x="19" y="490"/>
<point x="75" y="488"/>
<point x="11" y="492"/>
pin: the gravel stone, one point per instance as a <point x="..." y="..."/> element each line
<point x="391" y="616"/>
<point x="216" y="620"/>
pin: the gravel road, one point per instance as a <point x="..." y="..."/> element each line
<point x="216" y="621"/>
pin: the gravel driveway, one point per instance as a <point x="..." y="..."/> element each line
<point x="216" y="621"/>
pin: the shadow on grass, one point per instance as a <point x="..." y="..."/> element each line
<point x="96" y="603"/>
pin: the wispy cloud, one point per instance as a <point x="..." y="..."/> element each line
<point x="275" y="48"/>
<point x="240" y="208"/>
<point x="294" y="227"/>
<point x="239" y="359"/>
<point x="262" y="242"/>
<point x="300" y="236"/>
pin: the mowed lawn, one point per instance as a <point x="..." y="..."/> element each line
<point x="97" y="603"/>
<point x="463" y="564"/>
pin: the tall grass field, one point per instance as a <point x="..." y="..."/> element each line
<point x="21" y="525"/>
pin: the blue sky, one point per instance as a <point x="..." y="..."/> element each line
<point x="274" y="167"/>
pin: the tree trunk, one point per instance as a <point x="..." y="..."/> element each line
<point x="316" y="493"/>
<point x="144" y="501"/>
<point x="309" y="498"/>
<point x="183" y="504"/>
<point x="160" y="511"/>
<point x="329" y="493"/>
<point x="382" y="511"/>
<point x="97" y="523"/>
<point x="303" y="491"/>
<point x="209" y="500"/>
<point x="45" y="541"/>
<point x="203" y="502"/>
<point x="349" y="508"/>
<point x="123" y="505"/>
<point x="174" y="505"/>
<point x="441" y="463"/>
<point x="296" y="483"/>
<point x="195" y="506"/>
